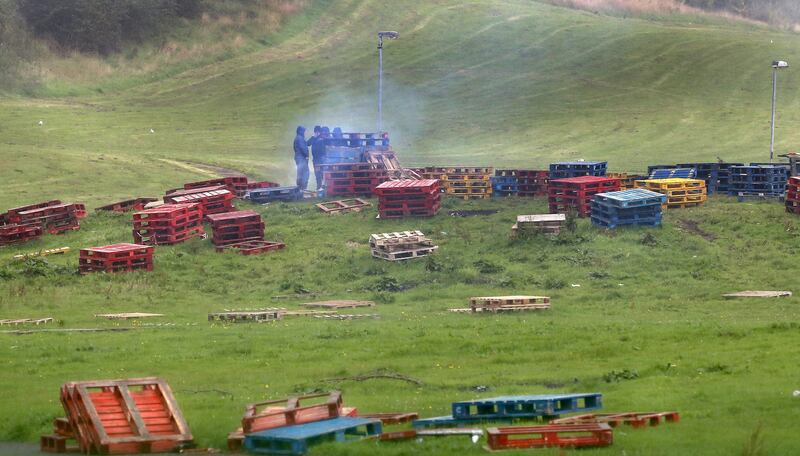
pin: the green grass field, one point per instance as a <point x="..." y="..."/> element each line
<point x="502" y="83"/>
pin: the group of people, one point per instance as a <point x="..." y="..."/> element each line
<point x="317" y="144"/>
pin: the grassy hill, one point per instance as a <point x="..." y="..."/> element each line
<point x="637" y="314"/>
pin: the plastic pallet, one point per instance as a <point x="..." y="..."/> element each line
<point x="527" y="406"/>
<point x="296" y="440"/>
<point x="565" y="436"/>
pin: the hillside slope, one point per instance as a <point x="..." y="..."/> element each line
<point x="484" y="82"/>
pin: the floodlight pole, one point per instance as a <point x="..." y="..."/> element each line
<point x="390" y="35"/>
<point x="776" y="65"/>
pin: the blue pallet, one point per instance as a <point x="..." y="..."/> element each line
<point x="267" y="195"/>
<point x="605" y="223"/>
<point x="631" y="198"/>
<point x="652" y="168"/>
<point x="504" y="180"/>
<point x="673" y="173"/>
<point x="564" y="174"/>
<point x="616" y="215"/>
<point x="296" y="439"/>
<point x="526" y="406"/>
<point x="449" y="421"/>
<point x="506" y="188"/>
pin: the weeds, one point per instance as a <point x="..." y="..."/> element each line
<point x="616" y="376"/>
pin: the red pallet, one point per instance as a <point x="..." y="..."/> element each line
<point x="349" y="191"/>
<point x="261" y="184"/>
<point x="241" y="228"/>
<point x="261" y="416"/>
<point x="61" y="226"/>
<point x="235" y="184"/>
<point x="6" y="217"/>
<point x="392" y="418"/>
<point x="116" y="251"/>
<point x="220" y="239"/>
<point x="569" y="436"/>
<point x="428" y="203"/>
<point x="372" y="182"/>
<point x="635" y="419"/>
<point x="232" y="218"/>
<point x="253" y="247"/>
<point x="348" y="167"/>
<point x="413" y="212"/>
<point x="14" y="234"/>
<point x="124" y="416"/>
<point x="408" y="186"/>
<point x="212" y="202"/>
<point x="366" y="174"/>
<point x="136" y="204"/>
<point x="116" y="258"/>
<point x="605" y="184"/>
<point x="191" y="191"/>
<point x="156" y="238"/>
<point x="166" y="212"/>
<point x="533" y="174"/>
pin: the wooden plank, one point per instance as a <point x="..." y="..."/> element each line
<point x="339" y="304"/>
<point x="127" y="315"/>
<point x="758" y="294"/>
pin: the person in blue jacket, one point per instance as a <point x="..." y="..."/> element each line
<point x="301" y="157"/>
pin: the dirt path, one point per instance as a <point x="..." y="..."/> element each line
<point x="204" y="169"/>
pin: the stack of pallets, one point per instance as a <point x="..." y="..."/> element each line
<point x="627" y="207"/>
<point x="680" y="192"/>
<point x="400" y="246"/>
<point x="53" y="217"/>
<point x="274" y="194"/>
<point x="792" y="195"/>
<point x="116" y="258"/>
<point x="238" y="185"/>
<point x="563" y="170"/>
<point x="168" y="224"/>
<point x="495" y="304"/>
<point x="505" y="183"/>
<point x="352" y="179"/>
<point x="14" y="234"/>
<point x="136" y="204"/>
<point x="510" y="408"/>
<point x="575" y="194"/>
<point x="529" y="225"/>
<point x="758" y="180"/>
<point x="626" y="181"/>
<point x="119" y="417"/>
<point x="462" y="182"/>
<point x="532" y="182"/>
<point x="407" y="197"/>
<point x="210" y="202"/>
<point x="242" y="231"/>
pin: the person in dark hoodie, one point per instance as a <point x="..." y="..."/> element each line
<point x="301" y="157"/>
<point x="317" y="143"/>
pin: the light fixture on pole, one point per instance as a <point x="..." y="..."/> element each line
<point x="776" y="65"/>
<point x="381" y="35"/>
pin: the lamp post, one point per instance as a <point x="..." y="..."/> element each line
<point x="776" y="65"/>
<point x="381" y="35"/>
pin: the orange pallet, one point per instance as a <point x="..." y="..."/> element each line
<point x="124" y="416"/>
<point x="261" y="416"/>
<point x="635" y="419"/>
<point x="565" y="435"/>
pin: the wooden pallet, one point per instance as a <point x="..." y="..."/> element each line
<point x="395" y="235"/>
<point x="261" y="416"/>
<point x="127" y="315"/>
<point x="404" y="254"/>
<point x="497" y="301"/>
<point x="346" y="316"/>
<point x="251" y="247"/>
<point x="247" y="316"/>
<point x="503" y="308"/>
<point x="342" y="206"/>
<point x="392" y="418"/>
<point x="635" y="419"/>
<point x="565" y="436"/>
<point x="342" y="304"/>
<point x="25" y="321"/>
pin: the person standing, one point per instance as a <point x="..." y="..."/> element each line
<point x="301" y="157"/>
<point x="317" y="143"/>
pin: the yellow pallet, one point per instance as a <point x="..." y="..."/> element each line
<point x="680" y="205"/>
<point x="686" y="199"/>
<point x="658" y="185"/>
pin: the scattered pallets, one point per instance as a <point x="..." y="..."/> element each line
<point x="399" y="246"/>
<point x="296" y="440"/>
<point x="236" y="228"/>
<point x="210" y="202"/>
<point x="575" y="194"/>
<point x="679" y="192"/>
<point x="41" y="253"/>
<point x="25" y="321"/>
<point x="116" y="258"/>
<point x="342" y="206"/>
<point x="564" y="436"/>
<point x="627" y="207"/>
<point x="633" y="419"/>
<point x="538" y="224"/>
<point x="124" y="416"/>
<point x="341" y="304"/>
<point x="274" y="194"/>
<point x="168" y="224"/>
<point x="135" y="204"/>
<point x="563" y="170"/>
<point x="408" y="197"/>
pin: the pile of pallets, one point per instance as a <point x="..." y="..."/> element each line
<point x="462" y="182"/>
<point x="626" y="181"/>
<point x="495" y="304"/>
<point x="290" y="426"/>
<point x="210" y="202"/>
<point x="168" y="224"/>
<point x="627" y="207"/>
<point x="716" y="175"/>
<point x="116" y="258"/>
<point x="505" y="183"/>
<point x="274" y="194"/>
<point x="408" y="197"/>
<point x="792" y="195"/>
<point x="510" y="408"/>
<point x="679" y="192"/>
<point x="119" y="417"/>
<point x="400" y="246"/>
<point x="352" y="179"/>
<point x="758" y="180"/>
<point x="135" y="204"/>
<point x="563" y="170"/>
<point x="242" y="231"/>
<point x="529" y="225"/>
<point x="28" y="222"/>
<point x="532" y="182"/>
<point x="575" y="194"/>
